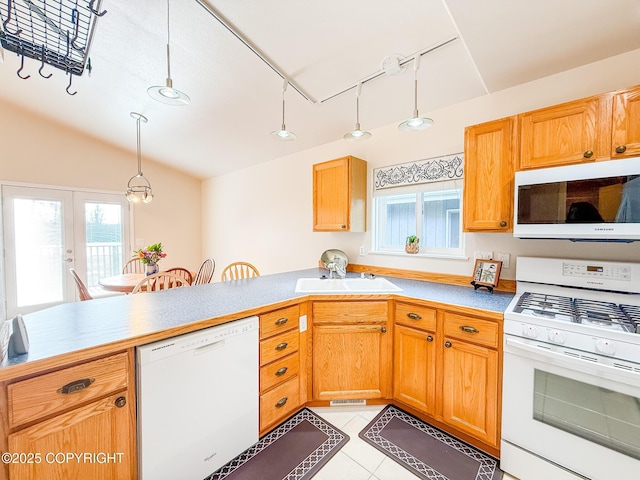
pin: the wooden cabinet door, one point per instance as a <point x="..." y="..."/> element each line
<point x="489" y="150"/>
<point x="573" y="132"/>
<point x="339" y="195"/>
<point x="351" y="361"/>
<point x="101" y="430"/>
<point x="414" y="368"/>
<point x="625" y="135"/>
<point x="470" y="389"/>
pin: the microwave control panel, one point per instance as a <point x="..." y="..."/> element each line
<point x="619" y="272"/>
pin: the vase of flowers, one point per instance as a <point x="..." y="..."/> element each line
<point x="412" y="245"/>
<point x="150" y="256"/>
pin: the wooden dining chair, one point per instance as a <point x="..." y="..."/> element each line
<point x="83" y="291"/>
<point x="238" y="270"/>
<point x="159" y="281"/>
<point x="134" y="265"/>
<point x="181" y="272"/>
<point x="205" y="272"/>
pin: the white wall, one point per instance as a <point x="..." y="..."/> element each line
<point x="264" y="214"/>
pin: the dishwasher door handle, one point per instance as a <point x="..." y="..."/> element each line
<point x="209" y="347"/>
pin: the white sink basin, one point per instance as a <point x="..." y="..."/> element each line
<point x="345" y="285"/>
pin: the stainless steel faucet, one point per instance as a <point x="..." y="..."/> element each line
<point x="338" y="267"/>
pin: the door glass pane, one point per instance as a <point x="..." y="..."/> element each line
<point x="603" y="416"/>
<point x="38" y="251"/>
<point x="104" y="240"/>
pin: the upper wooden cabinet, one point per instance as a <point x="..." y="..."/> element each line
<point x="573" y="132"/>
<point x="625" y="130"/>
<point x="340" y="195"/>
<point x="489" y="159"/>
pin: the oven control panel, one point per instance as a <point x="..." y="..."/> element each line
<point x="619" y="272"/>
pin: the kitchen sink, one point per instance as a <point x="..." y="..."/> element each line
<point x="346" y="285"/>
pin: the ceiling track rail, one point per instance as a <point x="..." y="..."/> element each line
<point x="270" y="63"/>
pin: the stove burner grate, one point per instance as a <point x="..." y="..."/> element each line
<point x="633" y="313"/>
<point x="602" y="314"/>
<point x="547" y="306"/>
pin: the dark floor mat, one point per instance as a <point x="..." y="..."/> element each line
<point x="426" y="451"/>
<point x="296" y="450"/>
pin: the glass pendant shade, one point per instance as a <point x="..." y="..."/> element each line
<point x="166" y="93"/>
<point x="283" y="134"/>
<point x="357" y="134"/>
<point x="139" y="187"/>
<point x="416" y="123"/>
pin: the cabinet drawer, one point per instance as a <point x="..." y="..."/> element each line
<point x="279" y="371"/>
<point x="474" y="330"/>
<point x="278" y="321"/>
<point x="279" y="346"/>
<point x="36" y="397"/>
<point x="350" y="312"/>
<point x="416" y="316"/>
<point x="279" y="402"/>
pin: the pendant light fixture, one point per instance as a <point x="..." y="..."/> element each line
<point x="357" y="134"/>
<point x="139" y="188"/>
<point x="166" y="93"/>
<point x="415" y="123"/>
<point x="283" y="134"/>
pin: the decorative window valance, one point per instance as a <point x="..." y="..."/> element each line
<point x="436" y="169"/>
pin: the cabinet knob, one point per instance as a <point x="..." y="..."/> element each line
<point x="447" y="344"/>
<point x="588" y="154"/>
<point x="343" y="226"/>
<point x="413" y="316"/>
<point x="503" y="223"/>
<point x="280" y="403"/>
<point x="120" y="402"/>
<point x="430" y="338"/>
<point x="469" y="329"/>
<point x="282" y="321"/>
<point x="281" y="371"/>
<point x="383" y="329"/>
<point x="281" y="346"/>
<point x="621" y="148"/>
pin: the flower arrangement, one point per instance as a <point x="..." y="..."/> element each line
<point x="150" y="255"/>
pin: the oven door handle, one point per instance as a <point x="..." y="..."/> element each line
<point x="606" y="371"/>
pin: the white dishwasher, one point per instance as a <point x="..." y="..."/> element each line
<point x="197" y="400"/>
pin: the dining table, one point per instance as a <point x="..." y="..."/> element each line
<point x="124" y="282"/>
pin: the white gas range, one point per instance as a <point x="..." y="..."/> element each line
<point x="571" y="375"/>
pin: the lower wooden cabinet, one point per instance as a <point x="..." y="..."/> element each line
<point x="448" y="368"/>
<point x="352" y="345"/>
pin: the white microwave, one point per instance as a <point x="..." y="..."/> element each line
<point x="598" y="201"/>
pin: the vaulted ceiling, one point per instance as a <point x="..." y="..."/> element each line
<point x="473" y="47"/>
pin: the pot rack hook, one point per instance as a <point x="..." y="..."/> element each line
<point x="94" y="11"/>
<point x="42" y="65"/>
<point x="21" y="67"/>
<point x="4" y="24"/>
<point x="70" y="79"/>
<point x="75" y="19"/>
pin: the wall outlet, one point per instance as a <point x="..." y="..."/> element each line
<point x="362" y="250"/>
<point x="303" y="323"/>
<point x="481" y="255"/>
<point x="505" y="258"/>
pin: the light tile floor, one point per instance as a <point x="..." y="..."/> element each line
<point x="358" y="460"/>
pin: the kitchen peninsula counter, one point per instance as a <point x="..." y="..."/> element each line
<point x="74" y="331"/>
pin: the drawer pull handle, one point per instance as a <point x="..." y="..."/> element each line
<point x="76" y="385"/>
<point x="621" y="148"/>
<point x="281" y="321"/>
<point x="588" y="154"/>
<point x="281" y="371"/>
<point x="281" y="346"/>
<point x="468" y="329"/>
<point x="120" y="402"/>
<point x="280" y="403"/>
<point x="430" y="338"/>
<point x="414" y="316"/>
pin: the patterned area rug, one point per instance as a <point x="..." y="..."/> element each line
<point x="426" y="451"/>
<point x="295" y="450"/>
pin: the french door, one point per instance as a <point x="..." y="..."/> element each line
<point x="47" y="231"/>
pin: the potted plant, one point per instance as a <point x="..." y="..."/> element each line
<point x="150" y="256"/>
<point x="412" y="244"/>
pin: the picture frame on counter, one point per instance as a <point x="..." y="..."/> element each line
<point x="486" y="273"/>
